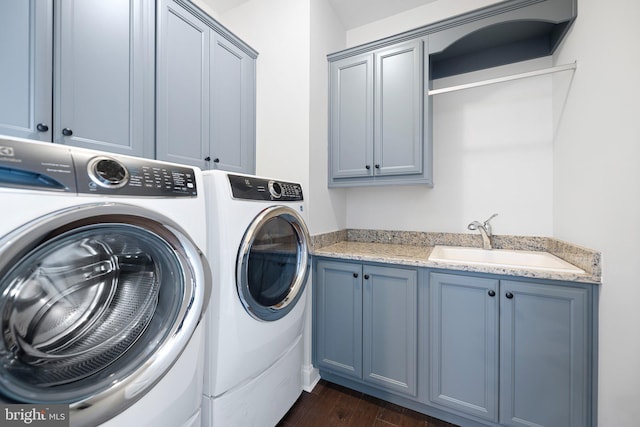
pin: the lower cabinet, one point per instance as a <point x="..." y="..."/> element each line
<point x="366" y="323"/>
<point x="472" y="349"/>
<point x="511" y="352"/>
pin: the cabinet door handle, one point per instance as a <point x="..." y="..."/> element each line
<point x="216" y="160"/>
<point x="367" y="167"/>
<point x="67" y="132"/>
<point x="377" y="166"/>
<point x="355" y="275"/>
<point x="366" y="277"/>
<point x="509" y="295"/>
<point x="42" y="127"/>
<point x="492" y="293"/>
<point x="207" y="159"/>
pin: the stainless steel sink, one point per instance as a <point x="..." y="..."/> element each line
<point x="532" y="260"/>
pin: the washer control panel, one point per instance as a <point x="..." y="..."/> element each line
<point x="130" y="176"/>
<point x="254" y="188"/>
<point x="36" y="166"/>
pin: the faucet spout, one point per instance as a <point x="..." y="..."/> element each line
<point x="484" y="229"/>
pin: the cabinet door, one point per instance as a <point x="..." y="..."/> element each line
<point x="104" y="75"/>
<point x="351" y="106"/>
<point x="544" y="355"/>
<point x="398" y="107"/>
<point x="183" y="87"/>
<point x="26" y="48"/>
<point x="390" y="328"/>
<point x="232" y="107"/>
<point x="338" y="314"/>
<point x="463" y="370"/>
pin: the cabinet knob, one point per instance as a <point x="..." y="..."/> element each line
<point x="67" y="132"/>
<point x="509" y="295"/>
<point x="367" y="167"/>
<point x="207" y="159"/>
<point x="42" y="127"/>
<point x="355" y="275"/>
<point x="492" y="293"/>
<point x="377" y="166"/>
<point x="366" y="277"/>
<point x="216" y="160"/>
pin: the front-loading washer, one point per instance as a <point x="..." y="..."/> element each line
<point x="258" y="248"/>
<point x="103" y="284"/>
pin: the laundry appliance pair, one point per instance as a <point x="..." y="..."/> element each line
<point x="104" y="283"/>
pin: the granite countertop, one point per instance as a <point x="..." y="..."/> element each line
<point x="414" y="248"/>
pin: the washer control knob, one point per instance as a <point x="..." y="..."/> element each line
<point x="275" y="189"/>
<point x="108" y="173"/>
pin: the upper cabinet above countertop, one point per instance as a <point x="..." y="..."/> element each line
<point x="379" y="109"/>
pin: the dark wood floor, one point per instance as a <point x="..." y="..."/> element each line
<point x="332" y="405"/>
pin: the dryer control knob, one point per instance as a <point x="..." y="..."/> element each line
<point x="275" y="189"/>
<point x="108" y="173"/>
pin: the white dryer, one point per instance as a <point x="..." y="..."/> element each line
<point x="102" y="285"/>
<point x="259" y="256"/>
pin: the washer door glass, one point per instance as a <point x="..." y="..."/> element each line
<point x="273" y="263"/>
<point x="91" y="306"/>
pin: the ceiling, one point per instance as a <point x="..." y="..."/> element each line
<point x="352" y="13"/>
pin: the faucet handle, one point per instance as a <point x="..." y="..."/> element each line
<point x="487" y="225"/>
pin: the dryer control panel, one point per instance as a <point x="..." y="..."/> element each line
<point x="130" y="176"/>
<point x="254" y="188"/>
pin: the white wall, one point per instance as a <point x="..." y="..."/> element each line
<point x="597" y="180"/>
<point x="327" y="208"/>
<point x="279" y="31"/>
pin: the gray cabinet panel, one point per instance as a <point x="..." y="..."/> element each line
<point x="183" y="87"/>
<point x="338" y="306"/>
<point x="232" y="107"/>
<point x="398" y="109"/>
<point x="544" y="367"/>
<point x="390" y="328"/>
<point x="352" y="117"/>
<point x="104" y="71"/>
<point x="464" y="344"/>
<point x="26" y="49"/>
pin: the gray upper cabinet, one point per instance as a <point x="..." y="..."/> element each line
<point x="104" y="75"/>
<point x="512" y="352"/>
<point x="232" y="107"/>
<point x="378" y="131"/>
<point x="26" y="49"/>
<point x="182" y="99"/>
<point x="366" y="324"/>
<point x="80" y="73"/>
<point x="205" y="92"/>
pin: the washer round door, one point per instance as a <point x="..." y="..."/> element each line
<point x="273" y="263"/>
<point x="96" y="304"/>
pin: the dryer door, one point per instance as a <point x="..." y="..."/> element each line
<point x="273" y="263"/>
<point x="96" y="304"/>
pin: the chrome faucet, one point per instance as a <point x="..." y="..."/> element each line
<point x="484" y="229"/>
